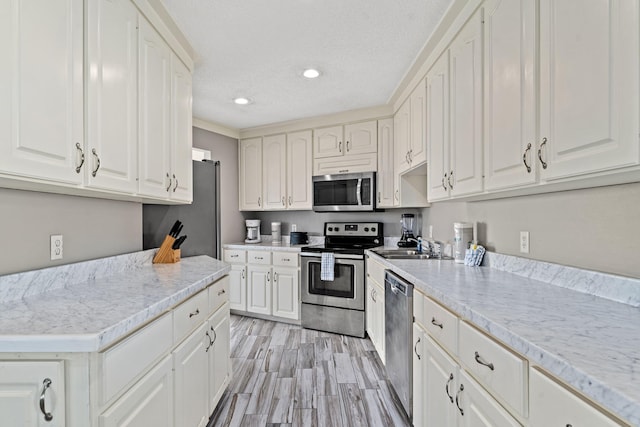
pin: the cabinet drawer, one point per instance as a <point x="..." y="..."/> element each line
<point x="235" y="256"/>
<point x="259" y="257"/>
<point x="285" y="259"/>
<point x="123" y="362"/>
<point x="218" y="293"/>
<point x="553" y="404"/>
<point x="376" y="271"/>
<point x="442" y="325"/>
<point x="501" y="371"/>
<point x="188" y="315"/>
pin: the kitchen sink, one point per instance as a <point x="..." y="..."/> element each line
<point x="405" y="254"/>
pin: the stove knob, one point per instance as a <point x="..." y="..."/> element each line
<point x="336" y="228"/>
<point x="372" y="229"/>
<point x="367" y="229"/>
<point x="330" y="228"/>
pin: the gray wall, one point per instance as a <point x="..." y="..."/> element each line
<point x="596" y="228"/>
<point x="224" y="149"/>
<point x="91" y="228"/>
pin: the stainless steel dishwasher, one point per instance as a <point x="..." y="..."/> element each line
<point x="398" y="311"/>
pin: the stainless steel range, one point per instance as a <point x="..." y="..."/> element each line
<point x="338" y="305"/>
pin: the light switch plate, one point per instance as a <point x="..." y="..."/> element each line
<point x="524" y="242"/>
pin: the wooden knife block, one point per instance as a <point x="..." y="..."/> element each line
<point x="167" y="255"/>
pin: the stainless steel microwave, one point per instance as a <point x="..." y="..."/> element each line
<point x="344" y="192"/>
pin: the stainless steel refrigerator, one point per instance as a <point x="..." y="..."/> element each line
<point x="201" y="218"/>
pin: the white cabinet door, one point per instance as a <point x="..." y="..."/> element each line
<point x="476" y="408"/>
<point x="154" y="86"/>
<point x="148" y="403"/>
<point x="438" y="129"/>
<point x="361" y="138"/>
<point x="238" y="287"/>
<point x="465" y="98"/>
<point x="219" y="351"/>
<point x="21" y="386"/>
<point x="375" y="317"/>
<point x="401" y="135"/>
<point x="251" y="174"/>
<point x="509" y="94"/>
<point x="190" y="366"/>
<point x="419" y="397"/>
<point x="327" y="142"/>
<point x="386" y="157"/>
<point x="552" y="404"/>
<point x="441" y="383"/>
<point x="259" y="289"/>
<point x="41" y="89"/>
<point x="588" y="86"/>
<point x="465" y="79"/>
<point x="417" y="120"/>
<point x="112" y="102"/>
<point x="286" y="293"/>
<point x="299" y="170"/>
<point x="181" y="132"/>
<point x="274" y="172"/>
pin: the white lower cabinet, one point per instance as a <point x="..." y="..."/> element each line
<point x="23" y="384"/>
<point x="238" y="287"/>
<point x="148" y="403"/>
<point x="554" y="405"/>
<point x="259" y="289"/>
<point x="476" y="407"/>
<point x="219" y="350"/>
<point x="286" y="293"/>
<point x="375" y="306"/>
<point x="190" y="365"/>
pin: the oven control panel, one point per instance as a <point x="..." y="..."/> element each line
<point x="364" y="229"/>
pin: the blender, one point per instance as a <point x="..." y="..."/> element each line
<point x="407" y="240"/>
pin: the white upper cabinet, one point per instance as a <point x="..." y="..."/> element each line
<point x="112" y="102"/>
<point x="345" y="149"/>
<point x="465" y="97"/>
<point x="274" y="172"/>
<point x="410" y="131"/>
<point x="386" y="175"/>
<point x="41" y="90"/>
<point x="251" y="174"/>
<point x="401" y="135"/>
<point x="299" y="170"/>
<point x="154" y="87"/>
<point x="509" y="91"/>
<point x="588" y="86"/>
<point x="181" y="132"/>
<point x="327" y="142"/>
<point x="361" y="138"/>
<point x="438" y="128"/>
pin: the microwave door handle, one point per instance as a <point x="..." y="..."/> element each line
<point x="359" y="192"/>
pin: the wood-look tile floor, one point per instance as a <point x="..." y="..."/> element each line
<point x="286" y="375"/>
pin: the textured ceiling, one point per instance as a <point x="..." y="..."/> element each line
<point x="259" y="48"/>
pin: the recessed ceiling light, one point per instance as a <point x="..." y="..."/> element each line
<point x="242" y="101"/>
<point x="311" y="73"/>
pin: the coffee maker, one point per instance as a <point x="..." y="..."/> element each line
<point x="407" y="221"/>
<point x="253" y="231"/>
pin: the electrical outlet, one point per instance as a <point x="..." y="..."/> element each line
<point x="56" y="246"/>
<point x="524" y="242"/>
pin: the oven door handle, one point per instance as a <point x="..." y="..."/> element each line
<point x="359" y="192"/>
<point x="336" y="256"/>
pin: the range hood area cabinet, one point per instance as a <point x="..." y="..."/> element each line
<point x="351" y="148"/>
<point x="55" y="155"/>
<point x="275" y="172"/>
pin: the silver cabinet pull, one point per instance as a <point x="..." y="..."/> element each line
<point x="343" y="170"/>
<point x="283" y="202"/>
<point x="95" y="171"/>
<point x="268" y="276"/>
<point x="234" y="256"/>
<point x="340" y="146"/>
<point x="544" y="166"/>
<point x="347" y="146"/>
<point x="286" y="259"/>
<point x="175" y="187"/>
<point x="195" y="313"/>
<point x="524" y="157"/>
<point x="415" y="349"/>
<point x="378" y="197"/>
<point x="443" y="185"/>
<point x="242" y="275"/>
<point x="434" y="322"/>
<point x="482" y="362"/>
<point x="411" y="156"/>
<point x="79" y="167"/>
<point x="446" y="387"/>
<point x="222" y="292"/>
<point x="397" y="195"/>
<point x="210" y="342"/>
<point x="373" y="295"/>
<point x="258" y="257"/>
<point x="45" y="385"/>
<point x="169" y="186"/>
<point x="215" y="335"/>
<point x="457" y="401"/>
<point x="275" y="276"/>
<point x="259" y="201"/>
<point x="449" y="180"/>
<point x="290" y="201"/>
<point x="406" y="157"/>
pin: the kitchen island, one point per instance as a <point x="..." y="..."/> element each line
<point x="115" y="338"/>
<point x="587" y="342"/>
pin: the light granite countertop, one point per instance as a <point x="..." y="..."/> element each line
<point x="591" y="343"/>
<point x="267" y="244"/>
<point x="85" y="307"/>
